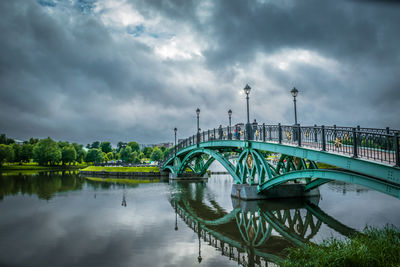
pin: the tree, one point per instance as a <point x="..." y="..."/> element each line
<point x="110" y="156"/>
<point x="62" y="144"/>
<point x="133" y="157"/>
<point x="99" y="156"/>
<point x="106" y="147"/>
<point x="147" y="151"/>
<point x="68" y="154"/>
<point x="95" y="144"/>
<point x="94" y="155"/>
<point x="125" y="153"/>
<point x="3" y="139"/>
<point x="6" y="141"/>
<point x="17" y="152"/>
<point x="120" y="146"/>
<point x="26" y="152"/>
<point x="80" y="152"/>
<point x="33" y="141"/>
<point x="6" y="153"/>
<point x="46" y="151"/>
<point x="157" y="154"/>
<point x="134" y="146"/>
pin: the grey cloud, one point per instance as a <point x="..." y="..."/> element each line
<point x="64" y="73"/>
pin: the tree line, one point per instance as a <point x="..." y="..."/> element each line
<point x="49" y="152"/>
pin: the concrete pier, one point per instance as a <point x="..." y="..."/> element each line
<point x="187" y="177"/>
<point x="249" y="192"/>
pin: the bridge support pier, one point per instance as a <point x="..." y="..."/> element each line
<point x="250" y="192"/>
<point x="187" y="177"/>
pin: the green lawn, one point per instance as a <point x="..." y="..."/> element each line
<point x="36" y="167"/>
<point x="121" y="169"/>
<point x="373" y="247"/>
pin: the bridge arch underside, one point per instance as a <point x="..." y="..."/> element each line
<point x="296" y="164"/>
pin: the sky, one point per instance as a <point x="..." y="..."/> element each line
<point x="87" y="70"/>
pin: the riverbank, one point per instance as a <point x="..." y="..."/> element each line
<point x="37" y="167"/>
<point x="373" y="247"/>
<point x="151" y="171"/>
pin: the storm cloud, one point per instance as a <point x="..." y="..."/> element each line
<point x="85" y="70"/>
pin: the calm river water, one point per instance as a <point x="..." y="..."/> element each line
<point x="66" y="220"/>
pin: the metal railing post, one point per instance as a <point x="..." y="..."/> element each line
<point x="299" y="134"/>
<point x="315" y="134"/>
<point x="280" y="133"/>
<point x="264" y="132"/>
<point x="334" y="131"/>
<point x="397" y="149"/>
<point x="270" y="133"/>
<point x="323" y="138"/>
<point x="355" y="143"/>
<point x="387" y="139"/>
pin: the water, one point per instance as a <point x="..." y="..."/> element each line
<point x="66" y="220"/>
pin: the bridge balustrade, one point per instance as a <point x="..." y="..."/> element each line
<point x="368" y="143"/>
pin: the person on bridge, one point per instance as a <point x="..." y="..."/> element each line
<point x="220" y="132"/>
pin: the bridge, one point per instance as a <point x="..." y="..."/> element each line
<point x="309" y="156"/>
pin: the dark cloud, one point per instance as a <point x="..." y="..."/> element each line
<point x="69" y="71"/>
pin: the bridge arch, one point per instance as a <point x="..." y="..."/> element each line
<point x="214" y="155"/>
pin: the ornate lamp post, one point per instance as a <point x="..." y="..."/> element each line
<point x="175" y="130"/>
<point x="198" y="126"/>
<point x="247" y="89"/>
<point x="295" y="92"/>
<point x="230" y="130"/>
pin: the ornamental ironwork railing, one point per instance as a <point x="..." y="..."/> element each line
<point x="375" y="144"/>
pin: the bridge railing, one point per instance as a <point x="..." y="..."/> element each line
<point x="368" y="143"/>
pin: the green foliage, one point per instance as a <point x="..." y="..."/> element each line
<point x="133" y="157"/>
<point x="46" y="152"/>
<point x="110" y="156"/>
<point x="80" y="152"/>
<point x="120" y="146"/>
<point x="157" y="154"/>
<point x="106" y="147"/>
<point x="6" y="141"/>
<point x="374" y="247"/>
<point x="126" y="153"/>
<point x="26" y="152"/>
<point x="68" y="154"/>
<point x="134" y="146"/>
<point x="6" y="153"/>
<point x="94" y="155"/>
<point x="33" y="141"/>
<point x="17" y="152"/>
<point x="95" y="144"/>
<point x="147" y="151"/>
<point x="141" y="155"/>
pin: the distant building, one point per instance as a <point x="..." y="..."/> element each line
<point x="166" y="145"/>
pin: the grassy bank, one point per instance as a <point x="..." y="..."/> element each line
<point x="37" y="167"/>
<point x="374" y="247"/>
<point x="121" y="169"/>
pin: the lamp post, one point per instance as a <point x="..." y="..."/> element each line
<point x="294" y="94"/>
<point x="230" y="130"/>
<point x="247" y="89"/>
<point x="175" y="130"/>
<point x="198" y="126"/>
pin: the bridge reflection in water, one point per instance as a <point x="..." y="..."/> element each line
<point x="253" y="233"/>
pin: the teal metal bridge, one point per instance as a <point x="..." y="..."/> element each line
<point x="366" y="156"/>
